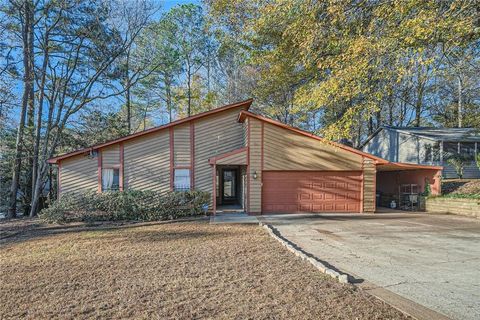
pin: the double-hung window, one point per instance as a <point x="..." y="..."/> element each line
<point x="181" y="181"/>
<point x="110" y="179"/>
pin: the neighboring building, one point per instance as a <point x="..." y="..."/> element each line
<point x="428" y="146"/>
<point x="244" y="160"/>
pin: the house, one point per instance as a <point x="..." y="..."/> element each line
<point x="245" y="161"/>
<point x="429" y="146"/>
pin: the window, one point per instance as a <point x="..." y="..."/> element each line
<point x="467" y="149"/>
<point x="432" y="153"/>
<point x="181" y="180"/>
<point x="110" y="179"/>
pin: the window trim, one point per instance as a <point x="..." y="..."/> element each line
<point x="189" y="170"/>
<point x="113" y="167"/>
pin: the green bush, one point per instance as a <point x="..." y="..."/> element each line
<point x="125" y="205"/>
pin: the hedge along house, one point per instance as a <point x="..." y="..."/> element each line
<point x="244" y="160"/>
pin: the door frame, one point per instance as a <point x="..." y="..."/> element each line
<point x="236" y="199"/>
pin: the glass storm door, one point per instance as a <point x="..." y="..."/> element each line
<point x="229" y="195"/>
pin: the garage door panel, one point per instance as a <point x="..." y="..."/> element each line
<point x="317" y="191"/>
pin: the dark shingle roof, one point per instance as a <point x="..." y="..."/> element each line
<point x="445" y="134"/>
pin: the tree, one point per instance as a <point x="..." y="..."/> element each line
<point x="158" y="43"/>
<point x="23" y="11"/>
<point x="356" y="64"/>
<point x="191" y="43"/>
<point x="80" y="43"/>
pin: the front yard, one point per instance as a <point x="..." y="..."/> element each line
<point x="179" y="270"/>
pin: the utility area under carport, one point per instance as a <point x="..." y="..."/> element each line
<point x="404" y="186"/>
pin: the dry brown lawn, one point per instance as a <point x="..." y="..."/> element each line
<point x="181" y="270"/>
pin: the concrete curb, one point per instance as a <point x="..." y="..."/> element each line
<point x="342" y="278"/>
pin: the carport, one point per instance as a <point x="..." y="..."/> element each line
<point x="395" y="179"/>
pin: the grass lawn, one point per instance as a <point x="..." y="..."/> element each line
<point x="180" y="270"/>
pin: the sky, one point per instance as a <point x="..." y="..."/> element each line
<point x="165" y="6"/>
<point x="168" y="4"/>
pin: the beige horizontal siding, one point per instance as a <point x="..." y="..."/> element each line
<point x="147" y="162"/>
<point x="287" y="150"/>
<point x="215" y="135"/>
<point x="235" y="159"/>
<point x="255" y="165"/>
<point x="369" y="188"/>
<point x="181" y="145"/>
<point x="79" y="174"/>
<point x="111" y="156"/>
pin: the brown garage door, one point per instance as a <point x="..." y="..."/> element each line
<point x="307" y="191"/>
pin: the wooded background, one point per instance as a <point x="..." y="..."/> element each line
<point x="80" y="72"/>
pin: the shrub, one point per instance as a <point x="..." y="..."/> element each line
<point x="125" y="205"/>
<point x="477" y="159"/>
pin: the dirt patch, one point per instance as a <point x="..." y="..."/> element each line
<point x="169" y="271"/>
<point x="461" y="186"/>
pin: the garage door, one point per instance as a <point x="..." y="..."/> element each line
<point x="317" y="191"/>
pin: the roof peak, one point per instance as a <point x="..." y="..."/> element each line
<point x="245" y="103"/>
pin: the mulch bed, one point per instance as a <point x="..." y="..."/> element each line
<point x="461" y="186"/>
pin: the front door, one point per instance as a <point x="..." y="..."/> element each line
<point x="229" y="186"/>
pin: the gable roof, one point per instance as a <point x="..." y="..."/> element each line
<point x="435" y="134"/>
<point x="245" y="104"/>
<point x="244" y="114"/>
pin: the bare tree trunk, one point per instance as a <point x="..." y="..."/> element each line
<point x="127" y="94"/>
<point x="189" y="88"/>
<point x="27" y="81"/>
<point x="36" y="185"/>
<point x="189" y="93"/>
<point x="31" y="110"/>
<point x="460" y="107"/>
<point x="168" y="90"/>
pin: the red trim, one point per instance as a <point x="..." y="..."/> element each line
<point x="362" y="177"/>
<point x="121" y="167"/>
<point x="248" y="166"/>
<point x="171" y="158"/>
<point x="246" y="103"/>
<point x="261" y="165"/>
<point x="214" y="191"/>
<point x="406" y="166"/>
<point x="111" y="166"/>
<point x="99" y="167"/>
<point x="192" y="155"/>
<point x="59" y="180"/>
<point x="181" y="167"/>
<point x="261" y="154"/>
<point x="375" y="190"/>
<point x="225" y="155"/>
<point x="243" y="114"/>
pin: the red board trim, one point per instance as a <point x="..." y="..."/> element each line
<point x="59" y="180"/>
<point x="171" y="158"/>
<point x="99" y="166"/>
<point x="214" y="191"/>
<point x="248" y="166"/>
<point x="192" y="155"/>
<point x="121" y="170"/>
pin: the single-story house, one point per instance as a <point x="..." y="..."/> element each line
<point x="245" y="161"/>
<point x="428" y="146"/>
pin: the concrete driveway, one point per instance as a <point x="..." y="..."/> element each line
<point x="433" y="260"/>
